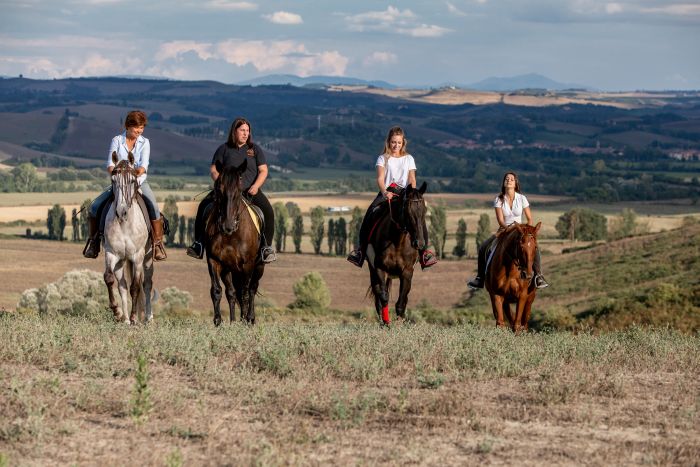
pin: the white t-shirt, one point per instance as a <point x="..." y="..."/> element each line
<point x="397" y="169"/>
<point x="141" y="152"/>
<point x="513" y="214"/>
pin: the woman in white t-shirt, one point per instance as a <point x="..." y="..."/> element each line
<point x="396" y="169"/>
<point x="510" y="205"/>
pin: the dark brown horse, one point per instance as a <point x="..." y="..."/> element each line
<point x="509" y="275"/>
<point x="392" y="250"/>
<point x="232" y="244"/>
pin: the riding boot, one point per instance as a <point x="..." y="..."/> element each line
<point x="196" y="250"/>
<point x="427" y="258"/>
<point x="92" y="247"/>
<point x="540" y="283"/>
<point x="478" y="281"/>
<point x="157" y="234"/>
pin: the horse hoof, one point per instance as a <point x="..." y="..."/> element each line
<point x="217" y="322"/>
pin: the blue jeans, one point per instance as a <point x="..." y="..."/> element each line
<point x="99" y="202"/>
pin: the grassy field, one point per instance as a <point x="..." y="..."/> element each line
<point x="184" y="393"/>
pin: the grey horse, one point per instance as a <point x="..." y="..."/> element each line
<point x="128" y="251"/>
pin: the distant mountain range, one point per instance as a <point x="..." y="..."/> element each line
<point x="528" y="81"/>
<point x="313" y="80"/>
<point x="512" y="83"/>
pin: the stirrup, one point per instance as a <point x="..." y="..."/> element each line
<point x="540" y="282"/>
<point x="268" y="254"/>
<point x="356" y="257"/>
<point x="426" y="263"/>
<point x="476" y="283"/>
<point x="196" y="250"/>
<point x="92" y="248"/>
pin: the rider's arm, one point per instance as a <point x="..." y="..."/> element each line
<point x="380" y="183"/>
<point x="412" y="178"/>
<point x="528" y="215"/>
<point x="500" y="218"/>
<point x="213" y="172"/>
<point x="259" y="180"/>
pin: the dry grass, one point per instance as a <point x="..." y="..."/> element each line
<point x="333" y="394"/>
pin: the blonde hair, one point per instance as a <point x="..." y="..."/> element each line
<point x="394" y="131"/>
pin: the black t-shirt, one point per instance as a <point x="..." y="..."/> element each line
<point x="233" y="157"/>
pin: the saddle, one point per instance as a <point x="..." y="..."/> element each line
<point x="255" y="212"/>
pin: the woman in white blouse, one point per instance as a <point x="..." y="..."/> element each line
<point x="396" y="169"/>
<point x="510" y="205"/>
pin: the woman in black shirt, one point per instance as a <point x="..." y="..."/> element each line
<point x="240" y="147"/>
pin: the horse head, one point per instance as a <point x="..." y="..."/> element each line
<point x="526" y="248"/>
<point x="124" y="185"/>
<point x="228" y="196"/>
<point x="414" y="214"/>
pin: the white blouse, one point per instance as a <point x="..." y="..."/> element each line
<point x="513" y="214"/>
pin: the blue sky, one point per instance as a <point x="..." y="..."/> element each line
<point x="620" y="45"/>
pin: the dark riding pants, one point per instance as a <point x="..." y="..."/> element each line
<point x="259" y="200"/>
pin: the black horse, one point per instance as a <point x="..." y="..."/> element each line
<point x="392" y="250"/>
<point x="232" y="245"/>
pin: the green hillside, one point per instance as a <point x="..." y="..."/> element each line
<point x="649" y="280"/>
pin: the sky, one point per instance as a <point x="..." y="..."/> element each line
<point x="620" y="45"/>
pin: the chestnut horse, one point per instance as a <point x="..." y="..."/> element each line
<point x="232" y="244"/>
<point x="393" y="247"/>
<point x="509" y="275"/>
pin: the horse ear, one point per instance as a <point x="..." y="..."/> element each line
<point x="423" y="187"/>
<point x="131" y="158"/>
<point x="537" y="227"/>
<point x="241" y="168"/>
<point x="114" y="157"/>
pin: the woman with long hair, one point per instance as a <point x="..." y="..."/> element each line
<point x="240" y="147"/>
<point x="396" y="169"/>
<point x="510" y="205"/>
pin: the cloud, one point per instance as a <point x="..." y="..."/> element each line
<point x="380" y="58"/>
<point x="454" y="10"/>
<point x="264" y="56"/>
<point x="677" y="9"/>
<point x="393" y="20"/>
<point x="612" y="8"/>
<point x="230" y="5"/>
<point x="284" y="17"/>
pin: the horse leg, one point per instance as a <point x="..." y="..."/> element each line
<point x="111" y="282"/>
<point x="136" y="289"/>
<point x="215" y="290"/>
<point x="497" y="306"/>
<point x="147" y="287"/>
<point x="252" y="291"/>
<point x="508" y="312"/>
<point x="404" y="290"/>
<point x="526" y="312"/>
<point x="519" y="313"/>
<point x="226" y="277"/>
<point x="381" y="295"/>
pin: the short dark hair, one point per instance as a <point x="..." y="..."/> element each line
<point x="135" y="118"/>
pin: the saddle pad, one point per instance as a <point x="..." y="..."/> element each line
<point x="255" y="214"/>
<point x="144" y="210"/>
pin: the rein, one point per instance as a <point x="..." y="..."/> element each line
<point x="128" y="186"/>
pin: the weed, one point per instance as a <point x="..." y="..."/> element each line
<point x="141" y="404"/>
<point x="174" y="459"/>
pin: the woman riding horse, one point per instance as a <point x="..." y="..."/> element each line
<point x="130" y="143"/>
<point x="509" y="205"/>
<point x="396" y="169"/>
<point x="239" y="148"/>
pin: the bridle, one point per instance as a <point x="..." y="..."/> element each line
<point x="403" y="225"/>
<point x="124" y="180"/>
<point x="221" y="215"/>
<point x="519" y="254"/>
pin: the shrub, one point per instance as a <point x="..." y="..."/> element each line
<point x="311" y="292"/>
<point x="174" y="302"/>
<point x="77" y="293"/>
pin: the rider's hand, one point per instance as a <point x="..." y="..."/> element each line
<point x="388" y="195"/>
<point x="253" y="190"/>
